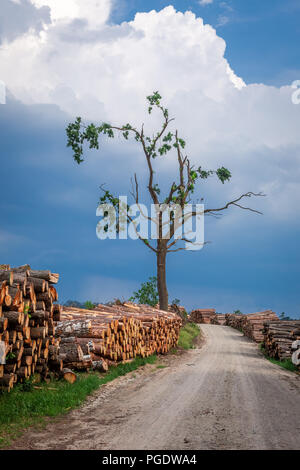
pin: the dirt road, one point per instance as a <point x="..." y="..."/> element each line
<point x="222" y="396"/>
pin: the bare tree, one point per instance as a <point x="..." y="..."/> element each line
<point x="180" y="192"/>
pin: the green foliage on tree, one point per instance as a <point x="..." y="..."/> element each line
<point x="285" y="317"/>
<point x="89" y="305"/>
<point x="147" y="294"/>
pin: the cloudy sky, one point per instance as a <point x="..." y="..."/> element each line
<point x="224" y="69"/>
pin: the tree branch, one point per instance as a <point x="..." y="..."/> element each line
<point x="234" y="203"/>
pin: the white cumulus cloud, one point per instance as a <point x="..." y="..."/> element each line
<point x="104" y="71"/>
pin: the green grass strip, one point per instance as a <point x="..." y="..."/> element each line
<point x="20" y="409"/>
<point x="187" y="335"/>
<point x="286" y="364"/>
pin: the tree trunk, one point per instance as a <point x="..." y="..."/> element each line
<point x="161" y="275"/>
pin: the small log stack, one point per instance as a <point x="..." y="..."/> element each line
<point x="218" y="319"/>
<point x="279" y="337"/>
<point x="90" y="338"/>
<point x="203" y="315"/>
<point x="251" y="324"/>
<point x="234" y="320"/>
<point x="27" y="315"/>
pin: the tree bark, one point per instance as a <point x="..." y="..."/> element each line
<point x="161" y="274"/>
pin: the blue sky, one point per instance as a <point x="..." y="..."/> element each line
<point x="262" y="36"/>
<point x="48" y="202"/>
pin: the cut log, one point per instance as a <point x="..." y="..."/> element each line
<point x="22" y="269"/>
<point x="40" y="285"/>
<point x="100" y="365"/>
<point x="39" y="332"/>
<point x="53" y="293"/>
<point x="57" y="310"/>
<point x="7" y="276"/>
<point x="3" y="324"/>
<point x="73" y="328"/>
<point x="69" y="375"/>
<point x="7" y="380"/>
<point x="70" y="352"/>
<point x="46" y="275"/>
<point x="7" y="301"/>
<point x="14" y="318"/>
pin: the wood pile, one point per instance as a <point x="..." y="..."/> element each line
<point x="115" y="333"/>
<point x="202" y="315"/>
<point x="279" y="338"/>
<point x="27" y="316"/>
<point x="234" y="320"/>
<point x="251" y="324"/>
<point x="218" y="319"/>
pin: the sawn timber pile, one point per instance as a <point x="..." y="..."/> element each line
<point x="116" y="333"/>
<point x="27" y="315"/>
<point x="279" y="337"/>
<point x="203" y="315"/>
<point x="251" y="324"/>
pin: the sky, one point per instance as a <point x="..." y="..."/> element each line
<point x="224" y="70"/>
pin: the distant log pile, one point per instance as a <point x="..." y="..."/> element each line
<point x="280" y="338"/>
<point x="202" y="315"/>
<point x="218" y="319"/>
<point x="251" y="324"/>
<point x="115" y="333"/>
<point x="234" y="320"/>
<point x="27" y="315"/>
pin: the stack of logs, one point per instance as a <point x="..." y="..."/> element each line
<point x="218" y="319"/>
<point x="90" y="338"/>
<point x="279" y="337"/>
<point x="234" y="320"/>
<point x="27" y="316"/>
<point x="251" y="324"/>
<point x="202" y="315"/>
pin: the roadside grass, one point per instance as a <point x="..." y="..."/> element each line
<point x="187" y="335"/>
<point x="286" y="364"/>
<point x="20" y="409"/>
